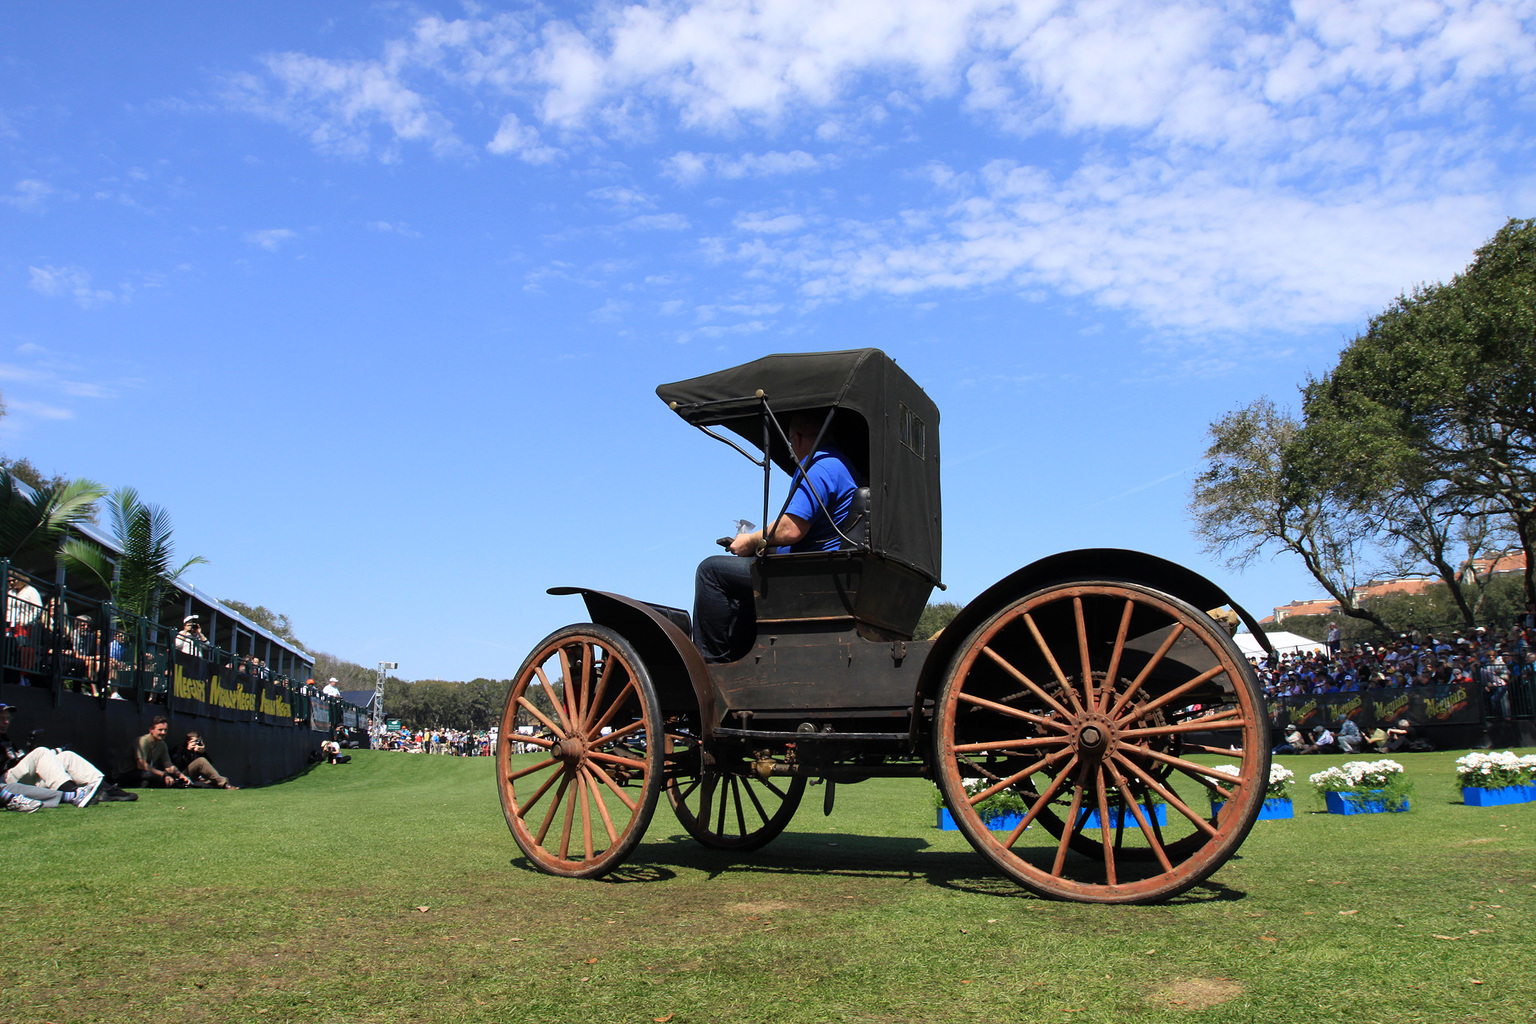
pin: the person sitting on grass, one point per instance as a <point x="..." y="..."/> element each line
<point x="192" y="759"/>
<point x="331" y="751"/>
<point x="153" y="757"/>
<point x="1350" y="739"/>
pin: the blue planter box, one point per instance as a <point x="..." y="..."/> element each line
<point x="1119" y="815"/>
<point x="1273" y="809"/>
<point x="1349" y="803"/>
<point x="1476" y="796"/>
<point x="1000" y="823"/>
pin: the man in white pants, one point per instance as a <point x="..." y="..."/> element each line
<point x="51" y="769"/>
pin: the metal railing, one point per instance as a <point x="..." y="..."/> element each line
<point x="67" y="642"/>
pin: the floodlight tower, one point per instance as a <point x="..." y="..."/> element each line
<point x="376" y="706"/>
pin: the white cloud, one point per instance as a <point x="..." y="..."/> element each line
<point x="271" y="239"/>
<point x="689" y="167"/>
<point x="520" y="140"/>
<point x="763" y="224"/>
<point x="347" y="108"/>
<point x="29" y="195"/>
<point x="1184" y="253"/>
<point x="1213" y="166"/>
<point x="44" y="384"/>
<point x="620" y="197"/>
<point x="400" y="228"/>
<point x="67" y="282"/>
<point x="658" y="222"/>
<point x="41" y="410"/>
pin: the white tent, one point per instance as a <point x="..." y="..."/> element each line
<point x="1284" y="643"/>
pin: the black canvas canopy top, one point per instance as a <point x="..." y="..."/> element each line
<point x="884" y="424"/>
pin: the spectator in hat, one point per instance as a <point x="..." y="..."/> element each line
<point x="1324" y="740"/>
<point x="1350" y="739"/>
<point x="23" y="622"/>
<point x="191" y="640"/>
<point x="330" y="689"/>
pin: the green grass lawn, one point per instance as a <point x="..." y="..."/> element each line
<point x="391" y="890"/>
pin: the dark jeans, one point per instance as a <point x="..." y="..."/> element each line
<point x="724" y="613"/>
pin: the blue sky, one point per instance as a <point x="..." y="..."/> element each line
<point x="373" y="297"/>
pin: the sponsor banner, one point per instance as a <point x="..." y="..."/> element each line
<point x="276" y="706"/>
<point x="1422" y="705"/>
<point x="198" y="687"/>
<point x="319" y="715"/>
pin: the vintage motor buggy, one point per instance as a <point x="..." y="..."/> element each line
<point x="1087" y="692"/>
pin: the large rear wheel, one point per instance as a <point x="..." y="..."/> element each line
<point x="584" y="704"/>
<point x="1113" y="717"/>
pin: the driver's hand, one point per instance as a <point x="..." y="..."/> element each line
<point x="746" y="544"/>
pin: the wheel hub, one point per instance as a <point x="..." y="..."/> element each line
<point x="1094" y="735"/>
<point x="571" y="749"/>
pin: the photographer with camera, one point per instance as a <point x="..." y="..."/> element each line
<point x="193" y="760"/>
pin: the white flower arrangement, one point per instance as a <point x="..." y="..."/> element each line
<point x="1358" y="776"/>
<point x="1495" y="770"/>
<point x="1383" y="780"/>
<point x="1280" y="779"/>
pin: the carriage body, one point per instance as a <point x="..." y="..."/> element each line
<point x="1087" y="690"/>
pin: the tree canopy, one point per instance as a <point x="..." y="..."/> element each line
<point x="273" y="622"/>
<point x="1415" y="453"/>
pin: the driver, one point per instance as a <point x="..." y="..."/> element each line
<point x="724" y="614"/>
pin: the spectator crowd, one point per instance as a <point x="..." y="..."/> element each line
<point x="1493" y="661"/>
<point x="454" y="742"/>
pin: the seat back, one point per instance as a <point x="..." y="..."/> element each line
<point x="856" y="525"/>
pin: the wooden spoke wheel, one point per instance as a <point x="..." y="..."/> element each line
<point x="1103" y="703"/>
<point x="727" y="811"/>
<point x="580" y="799"/>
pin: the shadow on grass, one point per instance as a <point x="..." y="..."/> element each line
<point x="835" y="853"/>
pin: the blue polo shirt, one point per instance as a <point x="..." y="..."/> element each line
<point x="831" y="478"/>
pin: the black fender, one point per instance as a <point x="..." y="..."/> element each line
<point x="677" y="669"/>
<point x="1084" y="563"/>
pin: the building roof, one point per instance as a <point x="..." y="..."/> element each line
<point x="1317" y="606"/>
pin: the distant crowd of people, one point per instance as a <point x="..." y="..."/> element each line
<point x="456" y="742"/>
<point x="1491" y="661"/>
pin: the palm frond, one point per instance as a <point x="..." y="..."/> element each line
<point x="84" y="557"/>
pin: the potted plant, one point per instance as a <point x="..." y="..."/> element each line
<point x="1152" y="805"/>
<point x="1002" y="811"/>
<point x="1364" y="787"/>
<point x="1488" y="780"/>
<point x="1277" y="795"/>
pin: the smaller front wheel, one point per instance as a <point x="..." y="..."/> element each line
<point x="734" y="812"/>
<point x="580" y="804"/>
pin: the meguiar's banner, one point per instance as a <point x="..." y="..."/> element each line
<point x="1456" y="704"/>
<point x="231" y="692"/>
<point x="276" y="704"/>
<point x="319" y="715"/>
